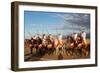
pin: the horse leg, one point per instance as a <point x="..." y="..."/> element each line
<point x="62" y="49"/>
<point x="85" y="52"/>
<point x="37" y="49"/>
<point x="57" y="51"/>
<point x="31" y="50"/>
<point x="80" y="51"/>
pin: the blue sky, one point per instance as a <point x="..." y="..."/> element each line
<point x="53" y="22"/>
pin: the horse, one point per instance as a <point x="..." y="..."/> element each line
<point x="69" y="45"/>
<point x="49" y="44"/>
<point x="58" y="44"/>
<point x="36" y="44"/>
<point x="82" y="45"/>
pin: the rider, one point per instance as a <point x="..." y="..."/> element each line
<point x="83" y="35"/>
<point x="60" y="38"/>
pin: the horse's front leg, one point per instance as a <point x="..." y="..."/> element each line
<point x="31" y="50"/>
<point x="63" y="49"/>
<point x="57" y="50"/>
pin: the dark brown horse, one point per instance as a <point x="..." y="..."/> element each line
<point x="35" y="43"/>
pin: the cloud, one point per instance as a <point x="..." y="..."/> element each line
<point x="75" y="21"/>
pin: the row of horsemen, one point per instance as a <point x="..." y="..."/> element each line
<point x="58" y="44"/>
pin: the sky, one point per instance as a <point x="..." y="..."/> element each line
<point x="55" y="22"/>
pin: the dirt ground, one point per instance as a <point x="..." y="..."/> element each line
<point x="52" y="56"/>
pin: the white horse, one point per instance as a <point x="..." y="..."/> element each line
<point x="83" y="35"/>
<point x="58" y="44"/>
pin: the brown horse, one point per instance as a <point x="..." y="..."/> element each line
<point x="36" y="44"/>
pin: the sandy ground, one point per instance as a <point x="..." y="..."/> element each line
<point x="52" y="56"/>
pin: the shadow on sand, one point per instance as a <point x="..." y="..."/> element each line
<point x="34" y="57"/>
